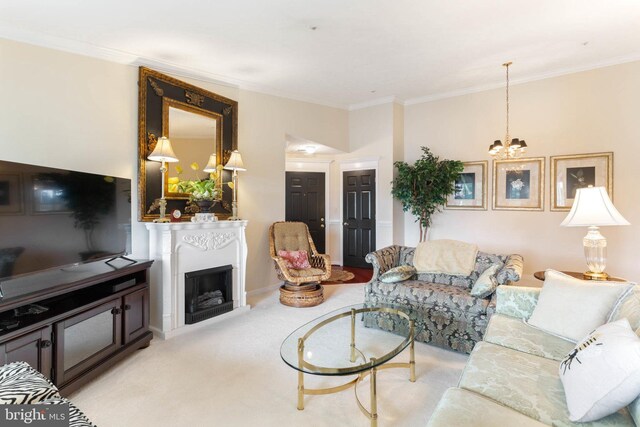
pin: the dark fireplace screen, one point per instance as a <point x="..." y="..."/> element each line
<point x="207" y="293"/>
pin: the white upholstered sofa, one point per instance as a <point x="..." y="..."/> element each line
<point x="511" y="377"/>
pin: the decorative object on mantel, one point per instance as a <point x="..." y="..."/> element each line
<point x="593" y="208"/>
<point x="235" y="164"/>
<point x="204" y="217"/>
<point x="470" y="187"/>
<point x="512" y="148"/>
<point x="163" y="152"/>
<point x="423" y="187"/>
<point x="568" y="173"/>
<point x="518" y="184"/>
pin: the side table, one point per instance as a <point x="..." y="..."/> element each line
<point x="540" y="276"/>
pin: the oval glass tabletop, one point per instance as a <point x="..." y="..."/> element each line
<point x="339" y="343"/>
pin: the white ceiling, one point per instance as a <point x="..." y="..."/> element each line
<point x="361" y="51"/>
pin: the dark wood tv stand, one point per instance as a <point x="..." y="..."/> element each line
<point x="96" y="314"/>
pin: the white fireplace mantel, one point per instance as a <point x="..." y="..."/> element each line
<point x="178" y="248"/>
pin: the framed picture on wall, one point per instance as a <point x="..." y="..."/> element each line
<point x="568" y="173"/>
<point x="11" y="200"/>
<point x="519" y="184"/>
<point x="471" y="187"/>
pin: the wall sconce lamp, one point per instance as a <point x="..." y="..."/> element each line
<point x="235" y="164"/>
<point x="163" y="152"/>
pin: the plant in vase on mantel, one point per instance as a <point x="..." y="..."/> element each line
<point x="204" y="192"/>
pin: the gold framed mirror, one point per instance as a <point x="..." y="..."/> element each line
<point x="199" y="124"/>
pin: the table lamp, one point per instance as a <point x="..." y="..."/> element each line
<point x="235" y="164"/>
<point x="163" y="152"/>
<point x="592" y="208"/>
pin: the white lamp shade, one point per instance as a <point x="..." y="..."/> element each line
<point x="163" y="151"/>
<point x="211" y="166"/>
<point x="235" y="162"/>
<point x="592" y="207"/>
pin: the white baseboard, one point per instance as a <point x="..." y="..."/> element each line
<point x="263" y="290"/>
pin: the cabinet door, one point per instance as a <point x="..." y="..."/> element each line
<point x="85" y="339"/>
<point x="33" y="348"/>
<point x="136" y="314"/>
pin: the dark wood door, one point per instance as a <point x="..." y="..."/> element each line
<point x="87" y="338"/>
<point x="136" y="315"/>
<point x="33" y="348"/>
<point x="358" y="217"/>
<point x="305" y="195"/>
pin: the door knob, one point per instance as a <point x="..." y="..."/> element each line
<point x="321" y="225"/>
<point x="346" y="223"/>
<point x="322" y="219"/>
<point x="45" y="344"/>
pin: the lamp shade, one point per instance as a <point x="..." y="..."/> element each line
<point x="592" y="207"/>
<point x="235" y="162"/>
<point x="163" y="151"/>
<point x="211" y="166"/>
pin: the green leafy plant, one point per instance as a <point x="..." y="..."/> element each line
<point x="423" y="187"/>
<point x="199" y="189"/>
<point x="204" y="189"/>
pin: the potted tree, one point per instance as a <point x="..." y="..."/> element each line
<point x="423" y="187"/>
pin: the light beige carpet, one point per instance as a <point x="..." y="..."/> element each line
<point x="231" y="374"/>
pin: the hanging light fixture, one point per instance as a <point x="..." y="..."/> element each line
<point x="511" y="148"/>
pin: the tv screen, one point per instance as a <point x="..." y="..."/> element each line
<point x="51" y="218"/>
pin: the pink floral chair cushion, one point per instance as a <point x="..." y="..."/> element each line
<point x="298" y="260"/>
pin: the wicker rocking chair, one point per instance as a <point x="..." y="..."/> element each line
<point x="301" y="288"/>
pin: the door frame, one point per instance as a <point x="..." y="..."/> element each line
<point x="358" y="164"/>
<point x="295" y="164"/>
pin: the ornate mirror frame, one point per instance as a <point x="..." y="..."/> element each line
<point x="156" y="92"/>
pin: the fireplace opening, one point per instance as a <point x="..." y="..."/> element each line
<point x="207" y="293"/>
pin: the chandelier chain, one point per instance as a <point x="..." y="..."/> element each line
<point x="507" y="136"/>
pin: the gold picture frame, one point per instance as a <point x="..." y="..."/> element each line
<point x="519" y="184"/>
<point x="570" y="172"/>
<point x="471" y="187"/>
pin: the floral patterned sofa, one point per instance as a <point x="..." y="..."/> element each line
<point x="444" y="310"/>
<point x="511" y="377"/>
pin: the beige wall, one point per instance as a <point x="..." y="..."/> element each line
<point x="69" y="111"/>
<point x="586" y="112"/>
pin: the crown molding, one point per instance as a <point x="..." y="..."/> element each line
<point x="514" y="82"/>
<point x="374" y="102"/>
<point x="131" y="59"/>
<point x="122" y="57"/>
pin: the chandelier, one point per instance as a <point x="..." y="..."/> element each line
<point x="512" y="148"/>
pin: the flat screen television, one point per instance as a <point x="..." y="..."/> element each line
<point x="53" y="218"/>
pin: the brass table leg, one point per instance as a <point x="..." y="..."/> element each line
<point x="353" y="335"/>
<point x="374" y="400"/>
<point x="300" y="375"/>
<point x="412" y="356"/>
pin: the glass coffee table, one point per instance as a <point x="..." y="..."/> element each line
<point x="339" y="344"/>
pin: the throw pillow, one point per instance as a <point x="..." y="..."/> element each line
<point x="486" y="283"/>
<point x="298" y="260"/>
<point x="571" y="308"/>
<point x="602" y="374"/>
<point x="398" y="274"/>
